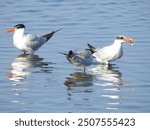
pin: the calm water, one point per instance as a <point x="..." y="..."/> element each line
<point x="46" y="82"/>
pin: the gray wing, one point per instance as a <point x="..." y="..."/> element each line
<point x="34" y="42"/>
<point x="83" y="58"/>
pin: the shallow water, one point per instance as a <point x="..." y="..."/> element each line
<point x="47" y="82"/>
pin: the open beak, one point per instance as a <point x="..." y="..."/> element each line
<point x="129" y="39"/>
<point x="10" y="30"/>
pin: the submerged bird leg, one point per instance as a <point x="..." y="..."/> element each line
<point x="84" y="69"/>
<point x="24" y="52"/>
<point x="77" y="68"/>
<point x="105" y="63"/>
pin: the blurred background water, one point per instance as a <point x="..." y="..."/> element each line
<point x="47" y="82"/>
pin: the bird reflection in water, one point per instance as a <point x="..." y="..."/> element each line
<point x="107" y="73"/>
<point x="22" y="67"/>
<point x="79" y="79"/>
<point x="110" y="80"/>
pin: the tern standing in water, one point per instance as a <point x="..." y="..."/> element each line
<point x="79" y="58"/>
<point x="28" y="42"/>
<point x="111" y="52"/>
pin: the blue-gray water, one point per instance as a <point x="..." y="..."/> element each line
<point x="47" y="82"/>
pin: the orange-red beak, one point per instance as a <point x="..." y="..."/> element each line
<point x="10" y="30"/>
<point x="129" y="39"/>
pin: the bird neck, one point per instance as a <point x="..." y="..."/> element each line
<point x="117" y="43"/>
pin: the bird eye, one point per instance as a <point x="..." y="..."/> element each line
<point x="120" y="37"/>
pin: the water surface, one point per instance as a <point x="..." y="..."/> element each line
<point x="46" y="82"/>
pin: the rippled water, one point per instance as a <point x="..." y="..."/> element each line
<point x="46" y="82"/>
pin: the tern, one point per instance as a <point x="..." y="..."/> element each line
<point x="79" y="58"/>
<point x="111" y="52"/>
<point x="28" y="42"/>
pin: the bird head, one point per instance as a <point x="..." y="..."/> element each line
<point x="123" y="39"/>
<point x="16" y="27"/>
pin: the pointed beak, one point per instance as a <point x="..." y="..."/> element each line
<point x="129" y="39"/>
<point x="10" y="30"/>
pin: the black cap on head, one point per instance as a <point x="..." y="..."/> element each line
<point x="120" y="37"/>
<point x="70" y="54"/>
<point x="19" y="26"/>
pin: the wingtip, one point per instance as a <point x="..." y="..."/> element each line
<point x="91" y="48"/>
<point x="58" y="30"/>
<point x="88" y="45"/>
<point x="63" y="53"/>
